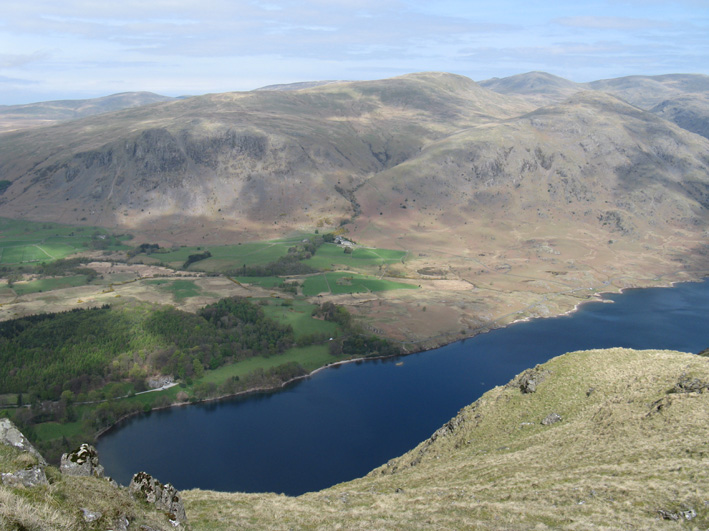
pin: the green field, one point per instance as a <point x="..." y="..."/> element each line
<point x="180" y="289"/>
<point x="264" y="282"/>
<point x="340" y="283"/>
<point x="226" y="257"/>
<point x="48" y="284"/>
<point x="27" y="242"/>
<point x="54" y="430"/>
<point x="310" y="358"/>
<point x="331" y="256"/>
<point x="298" y="314"/>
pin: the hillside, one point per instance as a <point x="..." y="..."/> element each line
<point x="612" y="459"/>
<point x="690" y="112"/>
<point x="603" y="439"/>
<point x="236" y="162"/>
<point x="507" y="204"/>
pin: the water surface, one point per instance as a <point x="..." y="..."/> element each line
<point x="344" y="421"/>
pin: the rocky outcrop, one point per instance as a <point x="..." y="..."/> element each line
<point x="82" y="462"/>
<point x="11" y="436"/>
<point x="81" y="497"/>
<point x="530" y="379"/>
<point x="687" y="384"/>
<point x="164" y="497"/>
<point x="30" y="477"/>
<point x="32" y="472"/>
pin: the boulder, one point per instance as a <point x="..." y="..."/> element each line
<point x="11" y="436"/>
<point x="81" y="462"/>
<point x="164" y="497"/>
<point x="30" y="477"/>
<point x="551" y="418"/>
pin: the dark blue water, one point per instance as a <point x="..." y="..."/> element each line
<point x="342" y="422"/>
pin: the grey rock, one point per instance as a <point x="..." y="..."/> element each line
<point x="121" y="524"/>
<point x="690" y="385"/>
<point x="11" y="436"/>
<point x="81" y="462"/>
<point x="687" y="514"/>
<point x="90" y="516"/>
<point x="30" y="477"/>
<point x="164" y="497"/>
<point x="530" y="379"/>
<point x="551" y="418"/>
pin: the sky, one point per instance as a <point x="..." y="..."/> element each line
<point x="75" y="49"/>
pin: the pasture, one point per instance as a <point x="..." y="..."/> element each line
<point x="226" y="257"/>
<point x="341" y="283"/>
<point x="298" y="314"/>
<point x="28" y="242"/>
<point x="331" y="256"/>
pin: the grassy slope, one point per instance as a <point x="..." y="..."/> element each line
<point x="57" y="506"/>
<point x="622" y="452"/>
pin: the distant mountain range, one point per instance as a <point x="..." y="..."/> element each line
<point x="14" y="117"/>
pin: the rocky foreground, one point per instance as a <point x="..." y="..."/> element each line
<point x="602" y="439"/>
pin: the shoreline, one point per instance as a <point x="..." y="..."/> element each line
<point x="597" y="296"/>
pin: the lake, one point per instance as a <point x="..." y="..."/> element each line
<point x="342" y="422"/>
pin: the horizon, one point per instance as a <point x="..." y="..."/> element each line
<point x="185" y="96"/>
<point x="79" y="50"/>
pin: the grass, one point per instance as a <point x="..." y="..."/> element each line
<point x="226" y="257"/>
<point x="57" y="507"/>
<point x="331" y="256"/>
<point x="233" y="257"/>
<point x="310" y="358"/>
<point x="264" y="282"/>
<point x="340" y="283"/>
<point x="49" y="284"/>
<point x="26" y="242"/>
<point x="613" y="461"/>
<point x="299" y="315"/>
<point x="179" y="289"/>
<point x="8" y="399"/>
<point x="55" y="430"/>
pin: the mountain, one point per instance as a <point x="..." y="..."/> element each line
<point x="579" y="158"/>
<point x="648" y="91"/>
<point x="250" y="161"/>
<point x="505" y="208"/>
<point x="298" y="86"/>
<point x="690" y="112"/>
<point x="642" y="91"/>
<point x="247" y="160"/>
<point x="14" y="117"/>
<point x="538" y="87"/>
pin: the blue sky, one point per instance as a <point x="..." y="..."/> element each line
<point x="57" y="49"/>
